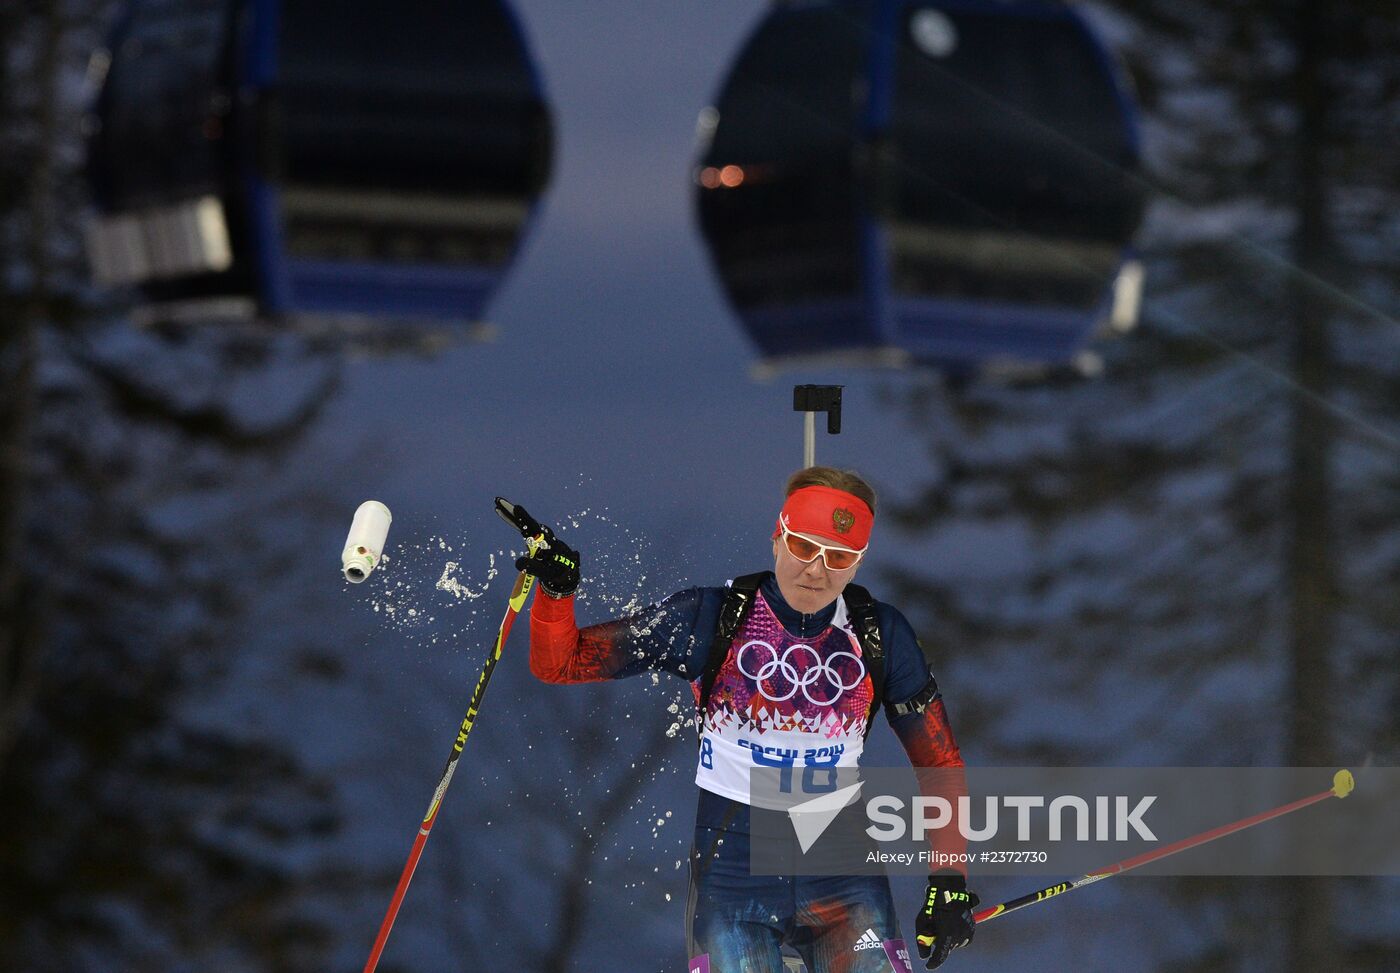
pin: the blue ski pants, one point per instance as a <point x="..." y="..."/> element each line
<point x="738" y="922"/>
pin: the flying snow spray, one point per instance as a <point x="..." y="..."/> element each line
<point x="365" y="543"/>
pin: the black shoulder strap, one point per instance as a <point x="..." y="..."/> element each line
<point x="860" y="608"/>
<point x="921" y="701"/>
<point x="737" y="602"/>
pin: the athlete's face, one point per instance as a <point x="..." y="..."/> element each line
<point x="808" y="587"/>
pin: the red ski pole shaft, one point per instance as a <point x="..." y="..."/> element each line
<point x="518" y="595"/>
<point x="1342" y="785"/>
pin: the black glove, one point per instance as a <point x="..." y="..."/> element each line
<point x="556" y="567"/>
<point x="945" y="922"/>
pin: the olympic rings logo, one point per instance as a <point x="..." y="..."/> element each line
<point x="822" y="669"/>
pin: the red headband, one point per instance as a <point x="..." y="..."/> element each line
<point x="836" y="515"/>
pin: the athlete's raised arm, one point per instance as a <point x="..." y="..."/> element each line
<point x="659" y="637"/>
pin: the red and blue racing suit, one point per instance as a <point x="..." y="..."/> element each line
<point x="792" y="687"/>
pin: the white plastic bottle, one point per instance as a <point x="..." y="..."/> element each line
<point x="365" y="544"/>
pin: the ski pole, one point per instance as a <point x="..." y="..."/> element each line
<point x="1342" y="785"/>
<point x="536" y="537"/>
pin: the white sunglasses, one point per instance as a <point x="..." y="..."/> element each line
<point x="807" y="550"/>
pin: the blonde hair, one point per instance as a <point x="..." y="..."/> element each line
<point x="829" y="476"/>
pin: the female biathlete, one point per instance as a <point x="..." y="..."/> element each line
<point x="789" y="662"/>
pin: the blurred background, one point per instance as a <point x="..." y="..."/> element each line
<point x="1112" y="292"/>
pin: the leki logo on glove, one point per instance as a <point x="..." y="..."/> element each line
<point x="773" y="665"/>
<point x="949" y="897"/>
<point x="843" y="520"/>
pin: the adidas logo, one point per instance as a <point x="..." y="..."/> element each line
<point x="869" y="940"/>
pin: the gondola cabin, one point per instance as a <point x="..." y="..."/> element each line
<point x="296" y="158"/>
<point x="951" y="182"/>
